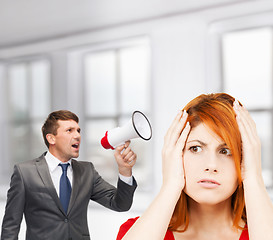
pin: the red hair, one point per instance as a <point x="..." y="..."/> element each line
<point x="216" y="111"/>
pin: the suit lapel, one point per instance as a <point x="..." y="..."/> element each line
<point x="43" y="171"/>
<point x="77" y="173"/>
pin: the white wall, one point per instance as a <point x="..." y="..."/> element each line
<point x="180" y="71"/>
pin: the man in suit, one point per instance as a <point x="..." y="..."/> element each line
<point x="53" y="190"/>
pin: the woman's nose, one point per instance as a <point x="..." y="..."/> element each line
<point x="211" y="170"/>
<point x="211" y="164"/>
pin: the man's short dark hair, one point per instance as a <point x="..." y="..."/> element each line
<point x="51" y="123"/>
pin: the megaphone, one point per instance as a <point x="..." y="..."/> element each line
<point x="138" y="127"/>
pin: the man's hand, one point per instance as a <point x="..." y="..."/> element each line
<point x="125" y="158"/>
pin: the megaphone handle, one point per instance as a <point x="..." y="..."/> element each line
<point x="120" y="144"/>
<point x="124" y="147"/>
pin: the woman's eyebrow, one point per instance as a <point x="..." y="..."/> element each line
<point x="222" y="145"/>
<point x="205" y="144"/>
<point x="199" y="141"/>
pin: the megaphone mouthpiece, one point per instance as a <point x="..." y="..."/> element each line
<point x="104" y="142"/>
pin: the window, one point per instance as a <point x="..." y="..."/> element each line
<point x="247" y="75"/>
<point x="28" y="105"/>
<point x="117" y="82"/>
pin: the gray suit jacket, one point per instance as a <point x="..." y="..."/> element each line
<point x="33" y="194"/>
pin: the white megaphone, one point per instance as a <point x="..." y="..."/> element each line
<point x="138" y="126"/>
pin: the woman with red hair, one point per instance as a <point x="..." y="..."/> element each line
<point x="212" y="178"/>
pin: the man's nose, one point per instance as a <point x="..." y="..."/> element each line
<point x="77" y="134"/>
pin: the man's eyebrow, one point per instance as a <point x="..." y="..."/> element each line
<point x="71" y="127"/>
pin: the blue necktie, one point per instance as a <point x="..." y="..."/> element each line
<point x="65" y="187"/>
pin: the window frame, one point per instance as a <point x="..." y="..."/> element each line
<point x="29" y="121"/>
<point x="116" y="47"/>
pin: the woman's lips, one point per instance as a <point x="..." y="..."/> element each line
<point x="208" y="183"/>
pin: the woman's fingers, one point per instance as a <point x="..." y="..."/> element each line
<point x="183" y="137"/>
<point x="178" y="130"/>
<point x="173" y="125"/>
<point x="251" y="146"/>
<point x="172" y="152"/>
<point x="246" y="123"/>
<point x="175" y="129"/>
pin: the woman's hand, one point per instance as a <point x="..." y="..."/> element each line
<point x="172" y="152"/>
<point x="251" y="145"/>
<point x="259" y="208"/>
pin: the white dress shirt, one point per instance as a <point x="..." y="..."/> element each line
<point x="128" y="180"/>
<point x="56" y="172"/>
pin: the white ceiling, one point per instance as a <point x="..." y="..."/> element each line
<point x="25" y="21"/>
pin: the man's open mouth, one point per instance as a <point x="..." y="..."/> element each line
<point x="76" y="145"/>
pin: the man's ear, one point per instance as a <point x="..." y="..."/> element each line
<point x="50" y="138"/>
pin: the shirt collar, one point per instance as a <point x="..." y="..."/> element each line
<point x="53" y="162"/>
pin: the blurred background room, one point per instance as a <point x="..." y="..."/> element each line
<point x="104" y="59"/>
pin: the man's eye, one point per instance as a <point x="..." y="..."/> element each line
<point x="225" y="151"/>
<point x="195" y="149"/>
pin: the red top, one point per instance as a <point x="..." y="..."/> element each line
<point x="169" y="235"/>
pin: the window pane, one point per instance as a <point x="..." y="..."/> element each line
<point x="103" y="159"/>
<point x="134" y="67"/>
<point x="19" y="139"/>
<point x="40" y="75"/>
<point x="100" y="75"/>
<point x="1" y="73"/>
<point x="18" y="91"/>
<point x="247" y="64"/>
<point x="117" y="83"/>
<point x="95" y="129"/>
<point x="37" y="145"/>
<point x="263" y="122"/>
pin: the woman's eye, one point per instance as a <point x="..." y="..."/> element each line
<point x="225" y="151"/>
<point x="195" y="149"/>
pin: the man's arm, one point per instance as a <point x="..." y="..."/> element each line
<point x="118" y="199"/>
<point x="14" y="207"/>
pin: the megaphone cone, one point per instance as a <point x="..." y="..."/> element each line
<point x="138" y="127"/>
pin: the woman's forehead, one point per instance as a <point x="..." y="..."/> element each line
<point x="204" y="133"/>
